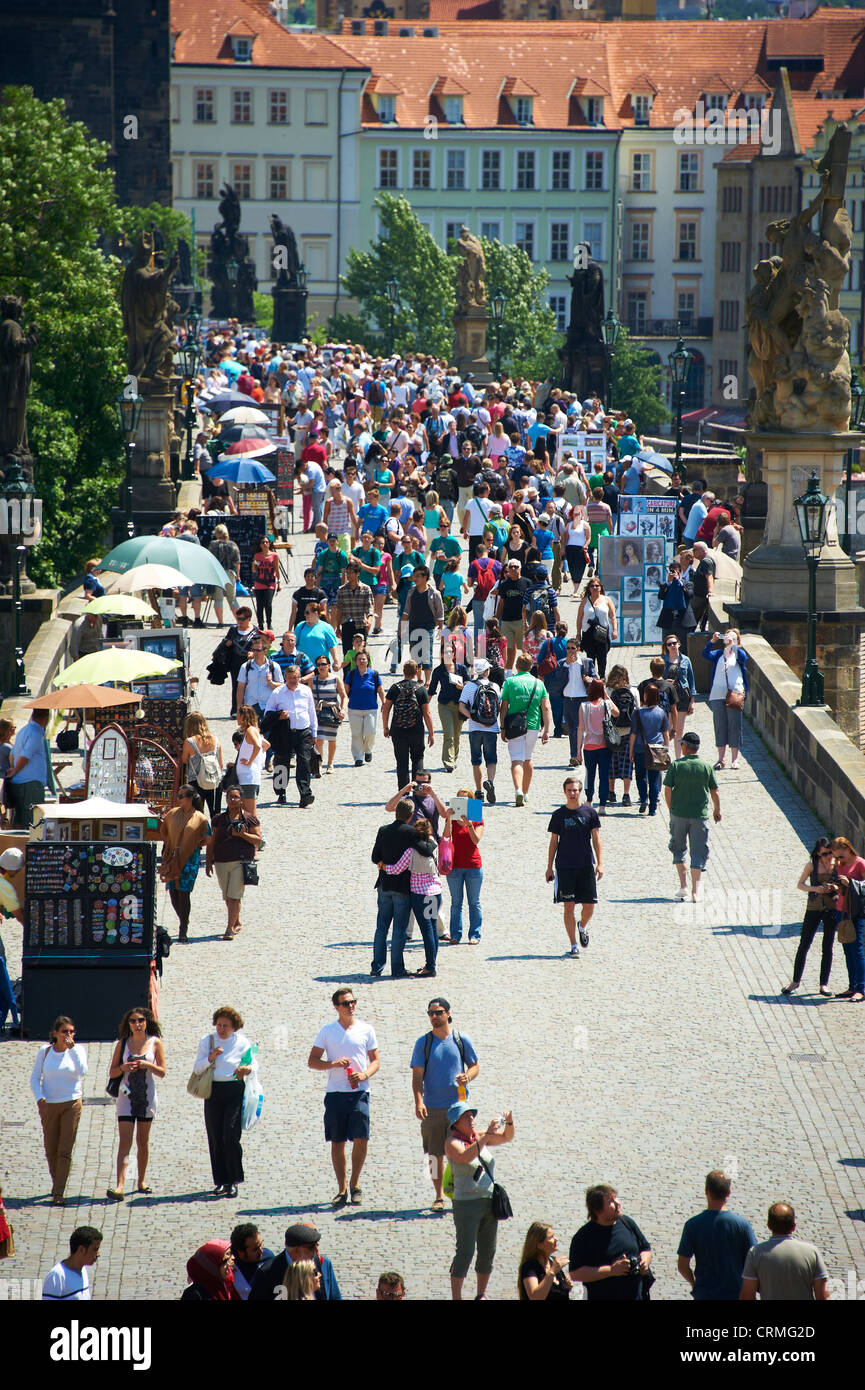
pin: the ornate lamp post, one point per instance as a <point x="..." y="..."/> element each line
<point x="610" y="329"/>
<point x="16" y="491"/>
<point x="128" y="415"/>
<point x="302" y="280"/>
<point x="812" y="516"/>
<point x="232" y="270"/>
<point x="190" y="356"/>
<point x="857" y="412"/>
<point x="680" y="364"/>
<point x="499" y="301"/>
<point x="392" y="291"/>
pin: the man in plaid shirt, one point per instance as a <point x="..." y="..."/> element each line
<point x="354" y="605"/>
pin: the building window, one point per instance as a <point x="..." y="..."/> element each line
<point x="754" y="101"/>
<point x="561" y="171"/>
<point x="421" y="169"/>
<point x="525" y="169"/>
<point x="595" y="110"/>
<point x="524" y="236"/>
<point x="315" y="183"/>
<point x="315" y="107"/>
<point x="689" y="172"/>
<point x="595" y="169"/>
<point x="387" y="169"/>
<point x="731" y="199"/>
<point x="278" y="182"/>
<point x="277" y="107"/>
<point x="731" y="256"/>
<point x="716" y="101"/>
<point x="729" y="315"/>
<point x="241" y="178"/>
<point x="640" y="241"/>
<point x="593" y="233"/>
<point x="241" y="106"/>
<point x="491" y="230"/>
<point x="491" y="169"/>
<point x="641" y="172"/>
<point x="686" y="310"/>
<point x="455" y="169"/>
<point x="205" y="112"/>
<point x="453" y="109"/>
<point x="686" y="241"/>
<point x="727" y="366"/>
<point x="205" y="180"/>
<point x="452" y="232"/>
<point x="642" y="108"/>
<point x="523" y="110"/>
<point x="386" y="108"/>
<point x="560" y="241"/>
<point x="636" y="310"/>
<point x="242" y="49"/>
<point x="559" y="306"/>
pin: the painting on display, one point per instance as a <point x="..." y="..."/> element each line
<point x="108" y="765"/>
<point x="648" y="516"/>
<point x="632" y="568"/>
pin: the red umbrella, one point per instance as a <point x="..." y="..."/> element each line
<point x="249" y="448"/>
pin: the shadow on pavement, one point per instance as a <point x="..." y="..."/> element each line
<point x="852" y="1162"/>
<point x="556" y="955"/>
<point x="408" y="1214"/>
<point x="808" y="1001"/>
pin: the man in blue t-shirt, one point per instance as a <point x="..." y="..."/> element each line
<point x="719" y="1241"/>
<point x="372" y="516"/>
<point x="443" y="1062"/>
<point x="30" y="770"/>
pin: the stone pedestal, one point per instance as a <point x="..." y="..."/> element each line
<point x="17" y="512"/>
<point x="470" y="344"/>
<point x="775" y="576"/>
<point x="585" y="369"/>
<point x="153" y="489"/>
<point x="38" y="606"/>
<point x="289" y="314"/>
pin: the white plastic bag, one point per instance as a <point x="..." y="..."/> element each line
<point x="490" y="602"/>
<point x="253" y="1099"/>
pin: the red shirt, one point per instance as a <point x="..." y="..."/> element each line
<point x="314" y="453"/>
<point x="456" y="398"/>
<point x="707" y="528"/>
<point x="246" y="383"/>
<point x="467" y="854"/>
<point x="856" y="870"/>
<point x="497" y="410"/>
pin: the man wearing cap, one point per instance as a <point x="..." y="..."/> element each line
<point x="11" y="863"/>
<point x="301" y="1243"/>
<point x="688" y="784"/>
<point x="483" y="738"/>
<point x="443" y="1062"/>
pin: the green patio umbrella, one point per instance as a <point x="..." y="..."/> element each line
<point x="192" y="560"/>
<point x="116" y="664"/>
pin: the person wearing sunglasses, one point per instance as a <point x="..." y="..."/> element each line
<point x="819" y="880"/>
<point x="55" y="1081"/>
<point x="139" y="1058"/>
<point x="443" y="1062"/>
<point x="347" y="1050"/>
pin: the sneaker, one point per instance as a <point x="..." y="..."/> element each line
<point x="681" y="895"/>
<point x="328" y="770"/>
<point x="584" y="937"/>
<point x="519" y="799"/>
<point x="340" y="1200"/>
<point x="367" y="757"/>
<point x="447" y="767"/>
<point x="611" y="799"/>
<point x="574" y="951"/>
<point x="626" y="800"/>
<point x="263" y="843"/>
<point x="358" y="762"/>
<point x="280" y="800"/>
<point x="491" y="793"/>
<point x="356" y="1194"/>
<point x="575" y="762"/>
<point x="653" y="811"/>
<point x="306" y="800"/>
<point x="644" y="806"/>
<point x="602" y="810"/>
<point x="393" y="670"/>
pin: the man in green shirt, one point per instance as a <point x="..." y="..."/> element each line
<point x="688" y="784"/>
<point x="523" y="693"/>
<point x="442" y="548"/>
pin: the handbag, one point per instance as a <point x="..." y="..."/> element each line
<point x="735" y="698"/>
<point x="502" y="1209"/>
<point x="249" y="869"/>
<point x="549" y="664"/>
<point x="846" y="931"/>
<point x="657" y="758"/>
<point x="516" y="722"/>
<point x="67" y="741"/>
<point x="7" y="1236"/>
<point x="446" y="856"/>
<point x="200" y="1083"/>
<point x="612" y="735"/>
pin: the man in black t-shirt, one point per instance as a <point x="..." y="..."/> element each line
<point x="574" y="862"/>
<point x="309" y="593"/>
<point x="703" y="580"/>
<point x="512" y="592"/>
<point x="404" y="713"/>
<point x="610" y="1254"/>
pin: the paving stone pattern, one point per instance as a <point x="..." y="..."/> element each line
<point x="664" y="1051"/>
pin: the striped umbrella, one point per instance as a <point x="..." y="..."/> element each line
<point x="231" y="434"/>
<point x="248" y="449"/>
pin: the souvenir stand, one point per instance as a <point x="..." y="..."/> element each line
<point x="89" y="934"/>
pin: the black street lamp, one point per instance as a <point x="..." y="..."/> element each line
<point x="610" y="329"/>
<point x="302" y="277"/>
<point x="392" y="291"/>
<point x="680" y="360"/>
<point x="16" y="490"/>
<point x="857" y="411"/>
<point x="812" y="516"/>
<point x="190" y="355"/>
<point x="232" y="270"/>
<point x="128" y="415"/>
<point x="499" y="301"/>
<point x="302" y="281"/>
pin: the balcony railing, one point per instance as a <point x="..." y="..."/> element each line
<point x="671" y="328"/>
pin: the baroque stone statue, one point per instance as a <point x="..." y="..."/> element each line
<point x="587" y="301"/>
<point x="289" y="261"/>
<point x="16" y="350"/>
<point x="227" y="243"/>
<point x="146" y="306"/>
<point x="471" y="284"/>
<point x="797" y="333"/>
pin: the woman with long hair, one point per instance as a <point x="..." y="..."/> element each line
<point x="55" y="1081"/>
<point x="849" y="866"/>
<point x="536" y="635"/>
<point x="265" y="581"/>
<point x="301" y="1282"/>
<point x="139" y="1058"/>
<point x="184" y="830"/>
<point x="457" y="639"/>
<point x="577" y="545"/>
<point x="542" y="1274"/>
<point x="650" y="724"/>
<point x="496" y="648"/>
<point x="596" y="624"/>
<point x="626" y="699"/>
<point x="200" y="747"/>
<point x="250" y="759"/>
<point x="331" y="703"/>
<point x="818" y="881"/>
<point x="591" y="743"/>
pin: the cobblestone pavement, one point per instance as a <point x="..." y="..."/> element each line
<point x="664" y="1051"/>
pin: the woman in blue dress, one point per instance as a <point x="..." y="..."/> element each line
<point x="184" y="830"/>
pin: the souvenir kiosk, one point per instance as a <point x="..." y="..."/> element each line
<point x="89" y="935"/>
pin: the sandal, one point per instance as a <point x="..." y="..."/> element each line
<point x="718" y="766"/>
<point x="145" y="1191"/>
<point x="229" y="935"/>
<point x="438" y="1204"/>
<point x="116" y="1194"/>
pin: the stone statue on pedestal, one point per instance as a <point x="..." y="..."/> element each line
<point x="16" y="351"/>
<point x="584" y="356"/>
<point x="227" y="244"/>
<point x="470" y="317"/>
<point x="146" y="306"/>
<point x="289" y="300"/>
<point x="798" y="335"/>
<point x="471" y="284"/>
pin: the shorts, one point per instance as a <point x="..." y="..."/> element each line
<point x="521" y="749"/>
<point x="379" y="588"/>
<point x="483" y="746"/>
<point x="575" y="885"/>
<point x="434" y="1132"/>
<point x="346" y="1116"/>
<point x="230" y="879"/>
<point x="330" y="590"/>
<point x="421" y="646"/>
<point x="512" y="631"/>
<point x="229" y="592"/>
<point x="249" y="790"/>
<point x="195" y="591"/>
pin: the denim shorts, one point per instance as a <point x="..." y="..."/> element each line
<point x="346" y="1116"/>
<point x="483" y="747"/>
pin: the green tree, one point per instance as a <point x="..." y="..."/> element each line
<point x="406" y="252"/>
<point x="636" y="384"/>
<point x="263" y="305"/>
<point x="56" y="192"/>
<point x="529" y="338"/>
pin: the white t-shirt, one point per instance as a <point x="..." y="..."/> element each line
<point x="356" y="492"/>
<point x="726" y="667"/>
<point x="478" y="514"/>
<point x="70" y="1285"/>
<point x="467" y="695"/>
<point x="355" y="1043"/>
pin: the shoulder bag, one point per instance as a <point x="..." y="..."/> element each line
<point x="200" y="1084"/>
<point x="249" y="869"/>
<point x="113" y="1087"/>
<point x="657" y="757"/>
<point x="735" y="698"/>
<point x="612" y="735"/>
<point x="502" y="1208"/>
<point x="517" y="721"/>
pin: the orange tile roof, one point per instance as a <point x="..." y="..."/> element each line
<point x="444" y="10"/>
<point x="812" y="115"/>
<point x="202" y="38"/>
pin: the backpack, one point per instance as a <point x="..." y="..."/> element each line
<point x="486" y="578"/>
<point x="623" y="699"/>
<point x="427" y="1048"/>
<point x="485" y="705"/>
<point x="244" y="670"/>
<point x="405" y="706"/>
<point x="541" y="601"/>
<point x="376" y="393"/>
<point x="446" y="484"/>
<point x="205" y="768"/>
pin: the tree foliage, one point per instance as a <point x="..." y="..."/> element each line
<point x="529" y="338"/>
<point x="56" y="193"/>
<point x="636" y="384"/>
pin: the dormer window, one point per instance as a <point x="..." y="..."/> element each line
<point x="453" y="110"/>
<point x="641" y="105"/>
<point x="595" y="110"/>
<point x="386" y="107"/>
<point x="523" y="110"/>
<point x="754" y="101"/>
<point x="716" y="101"/>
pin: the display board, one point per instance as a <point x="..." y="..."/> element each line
<point x="648" y="516"/>
<point x="253" y="500"/>
<point x="631" y="570"/>
<point x="163" y="719"/>
<point x="243" y="530"/>
<point x="155" y="773"/>
<point x="108" y="765"/>
<point x="283" y="467"/>
<point x="588" y="449"/>
<point x="89" y="897"/>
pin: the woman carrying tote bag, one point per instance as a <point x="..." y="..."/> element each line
<point x="224" y="1054"/>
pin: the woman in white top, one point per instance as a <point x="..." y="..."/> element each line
<point x="250" y="758"/>
<point x="139" y="1058"/>
<point x="596" y="624"/>
<point x="55" y="1081"/>
<point x="579" y="669"/>
<point x="223" y="1110"/>
<point x="576" y="545"/>
<point x="497" y="443"/>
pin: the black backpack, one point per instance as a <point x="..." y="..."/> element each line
<point x="405" y="706"/>
<point x="446" y="484"/>
<point x="485" y="704"/>
<point x="623" y="699"/>
<point x="427" y="1048"/>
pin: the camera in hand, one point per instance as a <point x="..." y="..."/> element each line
<point x="238" y="825"/>
<point x="634" y="1264"/>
